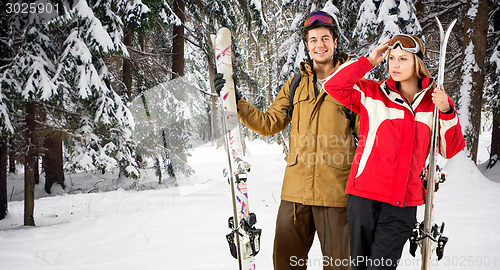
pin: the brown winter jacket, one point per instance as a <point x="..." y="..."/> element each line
<point x="321" y="143"/>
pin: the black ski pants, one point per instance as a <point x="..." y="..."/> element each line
<point x="378" y="232"/>
<point x="296" y="226"/>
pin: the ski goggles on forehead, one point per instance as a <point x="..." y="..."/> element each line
<point x="320" y="17"/>
<point x="406" y="43"/>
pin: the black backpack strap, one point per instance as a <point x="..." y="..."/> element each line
<point x="350" y="115"/>
<point x="352" y="121"/>
<point x="293" y="86"/>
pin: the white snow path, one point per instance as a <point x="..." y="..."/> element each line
<point x="184" y="227"/>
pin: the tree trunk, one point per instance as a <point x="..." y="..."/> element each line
<point x="142" y="43"/>
<point x="178" y="42"/>
<point x="495" y="138"/>
<point x="29" y="166"/>
<point x="12" y="158"/>
<point x="53" y="161"/>
<point x="36" y="167"/>
<point x="3" y="177"/>
<point x="4" y="145"/>
<point x="476" y="27"/>
<point x="495" y="131"/>
<point x="168" y="160"/>
<point x="127" y="65"/>
<point x="419" y="7"/>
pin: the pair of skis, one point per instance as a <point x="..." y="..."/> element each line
<point x="244" y="238"/>
<point x="427" y="234"/>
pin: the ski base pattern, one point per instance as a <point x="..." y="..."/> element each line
<point x="427" y="234"/>
<point x="244" y="238"/>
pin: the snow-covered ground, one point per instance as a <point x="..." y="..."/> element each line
<point x="184" y="227"/>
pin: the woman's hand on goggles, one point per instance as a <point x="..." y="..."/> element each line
<point x="379" y="53"/>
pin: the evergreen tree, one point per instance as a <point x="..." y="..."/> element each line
<point x="102" y="135"/>
<point x="379" y="21"/>
<point x="160" y="113"/>
<point x="5" y="122"/>
<point x="27" y="80"/>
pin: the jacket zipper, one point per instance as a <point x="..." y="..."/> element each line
<point x="414" y="128"/>
<point x="409" y="105"/>
<point x="411" y="161"/>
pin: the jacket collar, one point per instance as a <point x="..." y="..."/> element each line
<point x="426" y="82"/>
<point x="306" y="69"/>
<point x="390" y="90"/>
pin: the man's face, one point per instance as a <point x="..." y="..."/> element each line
<point x="321" y="45"/>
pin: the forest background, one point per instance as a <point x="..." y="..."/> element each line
<point x="91" y="85"/>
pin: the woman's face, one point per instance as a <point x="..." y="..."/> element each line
<point x="401" y="65"/>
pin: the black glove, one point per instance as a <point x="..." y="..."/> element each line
<point x="219" y="84"/>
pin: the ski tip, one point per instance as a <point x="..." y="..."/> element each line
<point x="440" y="26"/>
<point x="452" y="24"/>
<point x="223" y="39"/>
<point x="224" y="31"/>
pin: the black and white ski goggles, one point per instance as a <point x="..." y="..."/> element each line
<point x="406" y="43"/>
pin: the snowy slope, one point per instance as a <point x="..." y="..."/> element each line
<point x="184" y="227"/>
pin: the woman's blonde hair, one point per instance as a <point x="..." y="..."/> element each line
<point x="421" y="70"/>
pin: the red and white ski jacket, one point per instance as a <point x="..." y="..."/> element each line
<point x="394" y="136"/>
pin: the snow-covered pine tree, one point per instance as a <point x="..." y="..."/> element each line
<point x="258" y="16"/>
<point x="103" y="130"/>
<point x="347" y="17"/>
<point x="150" y="48"/>
<point x="379" y="21"/>
<point x="205" y="21"/>
<point x="124" y="19"/>
<point x="5" y="54"/>
<point x="208" y="19"/>
<point x="365" y="33"/>
<point x="269" y="70"/>
<point x="29" y="88"/>
<point x="160" y="112"/>
<point x="5" y="122"/>
<point x="249" y="47"/>
<point x="197" y="72"/>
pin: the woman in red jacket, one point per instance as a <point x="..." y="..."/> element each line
<point x="384" y="186"/>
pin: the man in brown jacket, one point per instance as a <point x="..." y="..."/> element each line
<point x="321" y="152"/>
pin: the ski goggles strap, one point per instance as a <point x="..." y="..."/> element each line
<point x="322" y="17"/>
<point x="407" y="43"/>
